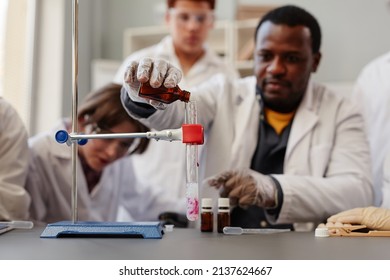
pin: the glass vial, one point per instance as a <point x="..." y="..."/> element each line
<point x="223" y="214"/>
<point x="206" y="216"/>
<point x="163" y="94"/>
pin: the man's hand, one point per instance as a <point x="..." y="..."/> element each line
<point x="245" y="188"/>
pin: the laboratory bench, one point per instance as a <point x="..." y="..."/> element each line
<point x="191" y="244"/>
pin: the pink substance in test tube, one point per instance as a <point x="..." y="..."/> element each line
<point x="192" y="208"/>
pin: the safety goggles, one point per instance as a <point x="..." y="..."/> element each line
<point x="184" y="17"/>
<point x="123" y="146"/>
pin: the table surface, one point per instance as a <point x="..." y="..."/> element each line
<point x="191" y="244"/>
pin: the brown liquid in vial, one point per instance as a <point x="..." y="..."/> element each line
<point x="223" y="219"/>
<point x="206" y="222"/>
<point x="206" y="216"/>
<point x="163" y="94"/>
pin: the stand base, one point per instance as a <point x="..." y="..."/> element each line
<point x="67" y="229"/>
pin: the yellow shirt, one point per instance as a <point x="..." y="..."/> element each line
<point x="278" y="120"/>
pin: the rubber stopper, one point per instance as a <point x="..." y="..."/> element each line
<point x="193" y="134"/>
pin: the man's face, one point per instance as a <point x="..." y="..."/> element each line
<point x="189" y="23"/>
<point x="284" y="62"/>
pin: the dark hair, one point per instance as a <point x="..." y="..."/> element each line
<point x="292" y="16"/>
<point x="104" y="108"/>
<point x="171" y="3"/>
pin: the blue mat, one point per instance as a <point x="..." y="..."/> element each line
<point x="68" y="229"/>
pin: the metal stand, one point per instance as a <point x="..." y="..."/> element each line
<point x="91" y="229"/>
<point x="190" y="134"/>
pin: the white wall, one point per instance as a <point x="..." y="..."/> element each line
<point x="101" y="27"/>
<point x="48" y="71"/>
<point x="121" y="14"/>
<point x="354" y="32"/>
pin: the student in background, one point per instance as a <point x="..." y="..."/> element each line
<point x="189" y="23"/>
<point x="104" y="180"/>
<point x="285" y="149"/>
<point x="14" y="200"/>
<point x="372" y="92"/>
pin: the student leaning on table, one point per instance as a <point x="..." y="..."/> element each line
<point x="189" y="23"/>
<point x="106" y="184"/>
<point x="14" y="200"/>
<point x="283" y="148"/>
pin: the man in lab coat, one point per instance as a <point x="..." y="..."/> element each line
<point x="283" y="148"/>
<point x="14" y="199"/>
<point x="189" y="23"/>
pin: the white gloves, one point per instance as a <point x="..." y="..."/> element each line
<point x="246" y="188"/>
<point x="157" y="71"/>
<point x="372" y="217"/>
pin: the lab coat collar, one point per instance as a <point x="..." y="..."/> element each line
<point x="304" y="120"/>
<point x="308" y="101"/>
<point x="248" y="113"/>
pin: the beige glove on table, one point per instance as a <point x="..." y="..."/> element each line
<point x="157" y="71"/>
<point x="372" y="217"/>
<point x="246" y="188"/>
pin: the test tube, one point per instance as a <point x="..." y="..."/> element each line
<point x="192" y="189"/>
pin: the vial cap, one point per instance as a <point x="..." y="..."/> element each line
<point x="168" y="227"/>
<point x="223" y="202"/>
<point x="321" y="232"/>
<point x="207" y="202"/>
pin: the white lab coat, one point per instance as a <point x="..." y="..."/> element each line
<point x="14" y="200"/>
<point x="163" y="163"/>
<point x="327" y="162"/>
<point x="372" y="92"/>
<point x="386" y="182"/>
<point x="50" y="181"/>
